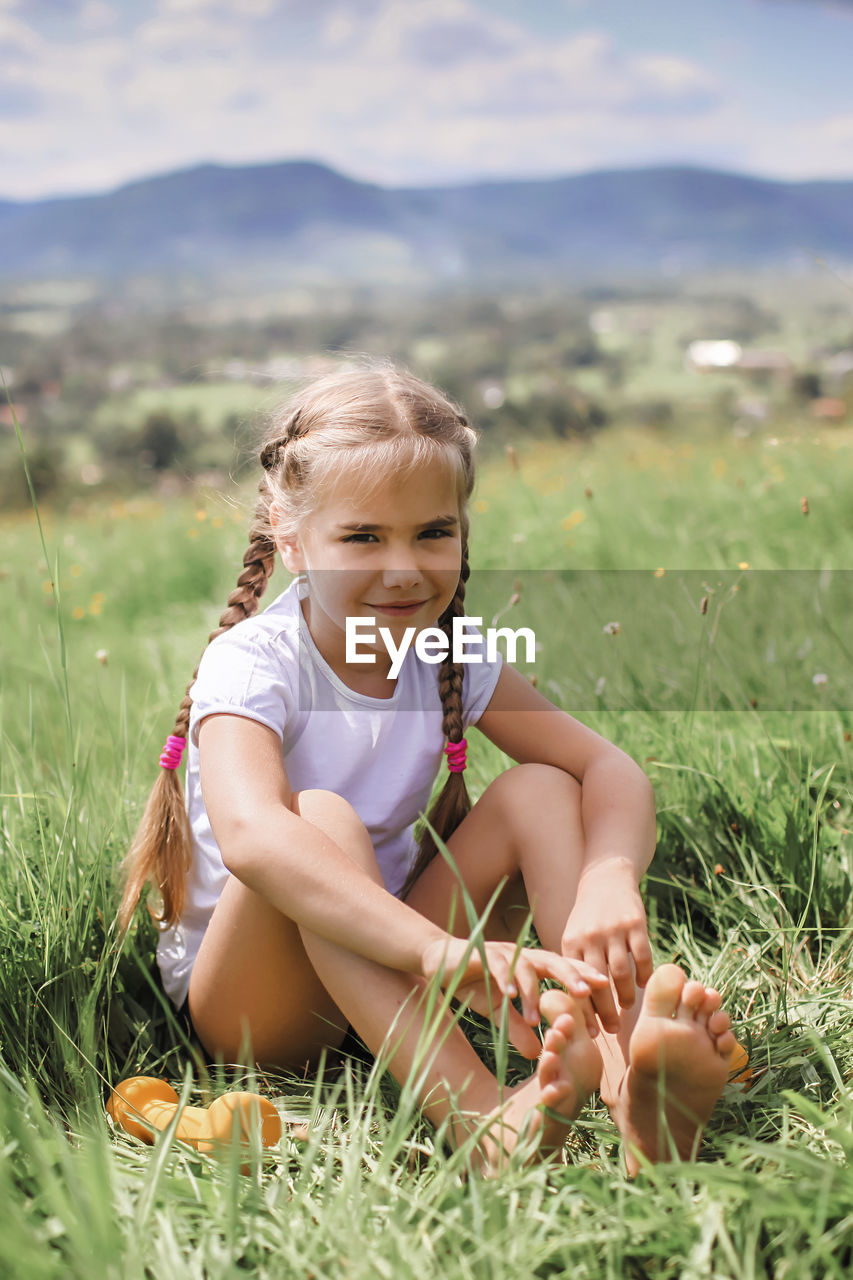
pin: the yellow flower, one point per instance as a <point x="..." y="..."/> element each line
<point x="743" y="564"/>
<point x="217" y="522"/>
<point x="201" y="515"/>
<point x="192" y="533"/>
<point x="47" y="587"/>
<point x="98" y="597"/>
<point x="659" y="573"/>
<point x="76" y="570"/>
<point x="78" y="614"/>
<point x="572" y="520"/>
<point x="95" y="608"/>
<point x="481" y="505"/>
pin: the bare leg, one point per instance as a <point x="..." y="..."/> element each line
<point x="291" y="991"/>
<point x="527" y="827"/>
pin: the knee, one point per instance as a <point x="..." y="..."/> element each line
<point x="335" y="816"/>
<point x="525" y="790"/>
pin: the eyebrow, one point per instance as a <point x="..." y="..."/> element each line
<point x="437" y="522"/>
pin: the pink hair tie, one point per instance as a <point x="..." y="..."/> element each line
<point x="172" y="751"/>
<point x="455" y="752"/>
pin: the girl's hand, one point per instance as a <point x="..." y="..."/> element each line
<point x="522" y="979"/>
<point x="607" y="928"/>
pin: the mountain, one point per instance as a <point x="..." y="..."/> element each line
<point x="300" y="219"/>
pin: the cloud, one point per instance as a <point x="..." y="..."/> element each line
<point x="404" y="92"/>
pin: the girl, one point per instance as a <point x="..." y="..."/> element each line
<point x="294" y="900"/>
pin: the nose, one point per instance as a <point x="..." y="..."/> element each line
<point x="401" y="568"/>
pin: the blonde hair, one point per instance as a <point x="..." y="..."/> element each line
<point x="365" y="423"/>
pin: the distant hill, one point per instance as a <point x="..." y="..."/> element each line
<point x="303" y="220"/>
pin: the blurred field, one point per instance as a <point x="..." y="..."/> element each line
<point x="750" y="889"/>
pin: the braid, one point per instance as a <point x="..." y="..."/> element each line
<point x="453" y="802"/>
<point x="162" y="847"/>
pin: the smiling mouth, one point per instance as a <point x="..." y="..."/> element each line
<point x="398" y="605"/>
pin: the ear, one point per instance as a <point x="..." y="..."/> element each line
<point x="289" y="549"/>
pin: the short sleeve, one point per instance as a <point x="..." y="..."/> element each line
<point x="480" y="681"/>
<point x="247" y="675"/>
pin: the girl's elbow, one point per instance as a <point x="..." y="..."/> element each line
<point x="241" y="842"/>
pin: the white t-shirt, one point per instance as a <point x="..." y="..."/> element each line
<point x="380" y="754"/>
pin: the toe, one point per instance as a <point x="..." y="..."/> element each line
<point x="692" y="997"/>
<point x="663" y="991"/>
<point x="549" y="1068"/>
<point x="712" y="1001"/>
<point x="555" y="1040"/>
<point x="719" y="1022"/>
<point x="553" y="1003"/>
<point x="725" y="1044"/>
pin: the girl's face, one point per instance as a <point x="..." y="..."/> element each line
<point x="402" y="570"/>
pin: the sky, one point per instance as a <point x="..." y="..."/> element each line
<point x="96" y="93"/>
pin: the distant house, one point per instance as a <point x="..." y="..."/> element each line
<point x="760" y="361"/>
<point x="828" y="409"/>
<point x="712" y="355"/>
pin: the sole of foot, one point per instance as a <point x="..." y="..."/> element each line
<point x="678" y="1065"/>
<point x="540" y="1110"/>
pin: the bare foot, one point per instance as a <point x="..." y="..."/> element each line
<point x="678" y="1064"/>
<point x="541" y="1109"/>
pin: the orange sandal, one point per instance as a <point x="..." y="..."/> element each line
<point x="143" y="1105"/>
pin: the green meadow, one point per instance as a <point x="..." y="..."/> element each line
<point x="723" y="564"/>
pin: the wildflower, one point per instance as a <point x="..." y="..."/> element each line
<point x="218" y="522"/>
<point x="719" y="869"/>
<point x="743" y="564"/>
<point x="819" y="679"/>
<point x="47" y="587"/>
<point x="103" y="656"/>
<point x="611" y="628"/>
<point x="572" y="520"/>
<point x="201" y="515"/>
<point x="804" y="506"/>
<point x="659" y="573"/>
<point x="78" y="614"/>
<point x="76" y="570"/>
<point x="192" y="533"/>
<point x="481" y="505"/>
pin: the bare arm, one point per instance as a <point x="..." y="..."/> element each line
<point x="617" y="799"/>
<point x="607" y="924"/>
<point x="312" y="880"/>
<point x="291" y="862"/>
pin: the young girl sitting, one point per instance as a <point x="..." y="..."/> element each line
<point x="294" y="900"/>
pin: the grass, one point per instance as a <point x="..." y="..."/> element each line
<point x="750" y="889"/>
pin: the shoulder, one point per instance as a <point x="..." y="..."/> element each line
<point x="250" y="669"/>
<point x="271" y="633"/>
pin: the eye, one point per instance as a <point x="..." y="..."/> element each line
<point x="356" y="537"/>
